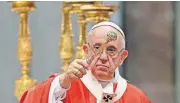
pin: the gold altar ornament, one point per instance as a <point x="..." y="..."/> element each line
<point x="24" y="46"/>
<point x="98" y="13"/>
<point x="66" y="43"/>
<point x="75" y="9"/>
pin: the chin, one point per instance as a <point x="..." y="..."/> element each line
<point x="100" y="74"/>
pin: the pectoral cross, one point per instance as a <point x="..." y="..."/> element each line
<point x="107" y="98"/>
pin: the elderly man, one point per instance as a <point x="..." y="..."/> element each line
<point x="95" y="79"/>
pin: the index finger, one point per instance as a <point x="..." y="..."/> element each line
<point x="93" y="61"/>
<point x="83" y="63"/>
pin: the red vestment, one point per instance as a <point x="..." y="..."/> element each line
<point x="78" y="93"/>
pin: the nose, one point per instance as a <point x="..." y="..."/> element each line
<point x="103" y="56"/>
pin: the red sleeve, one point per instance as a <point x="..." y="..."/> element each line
<point x="39" y="93"/>
<point x="23" y="97"/>
<point x="145" y="100"/>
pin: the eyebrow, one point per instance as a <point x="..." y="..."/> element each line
<point x="97" y="44"/>
<point x="110" y="46"/>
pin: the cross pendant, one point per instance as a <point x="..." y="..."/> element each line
<point x="107" y="98"/>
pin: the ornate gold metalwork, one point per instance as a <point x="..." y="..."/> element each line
<point x="98" y="3"/>
<point x="82" y="37"/>
<point x="24" y="46"/>
<point x="98" y="13"/>
<point x="82" y="24"/>
<point x="66" y="43"/>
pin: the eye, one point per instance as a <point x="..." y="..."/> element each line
<point x="111" y="49"/>
<point x="96" y="47"/>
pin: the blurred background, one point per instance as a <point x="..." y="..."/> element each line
<point x="152" y="35"/>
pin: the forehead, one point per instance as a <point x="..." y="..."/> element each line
<point x="102" y="31"/>
<point x="99" y="34"/>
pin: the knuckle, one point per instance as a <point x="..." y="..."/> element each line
<point x="80" y="67"/>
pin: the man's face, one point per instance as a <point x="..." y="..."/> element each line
<point x="113" y="53"/>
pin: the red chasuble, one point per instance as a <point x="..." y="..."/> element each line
<point x="78" y="93"/>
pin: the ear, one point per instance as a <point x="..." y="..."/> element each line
<point x="85" y="49"/>
<point x="124" y="55"/>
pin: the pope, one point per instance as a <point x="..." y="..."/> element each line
<point x="94" y="79"/>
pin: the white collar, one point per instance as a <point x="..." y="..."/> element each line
<point x="96" y="89"/>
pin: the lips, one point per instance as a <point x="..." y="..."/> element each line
<point x="102" y="67"/>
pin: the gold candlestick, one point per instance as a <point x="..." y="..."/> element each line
<point x="66" y="43"/>
<point x="98" y="3"/>
<point x="98" y="13"/>
<point x="82" y="37"/>
<point x="82" y="22"/>
<point x="24" y="46"/>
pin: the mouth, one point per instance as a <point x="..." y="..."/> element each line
<point x="102" y="67"/>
